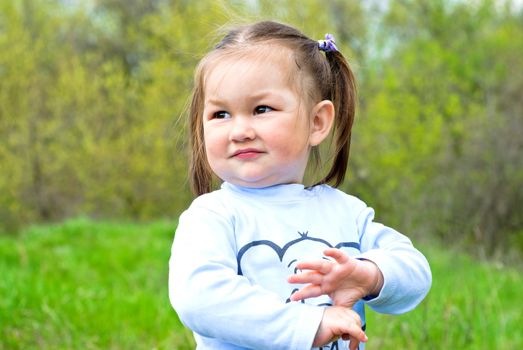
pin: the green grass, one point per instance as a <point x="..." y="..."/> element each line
<point x="92" y="285"/>
<point x="471" y="305"/>
<point x="86" y="285"/>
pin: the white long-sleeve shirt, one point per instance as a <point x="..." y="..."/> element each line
<point x="234" y="249"/>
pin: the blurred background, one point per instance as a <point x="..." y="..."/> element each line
<point x="93" y="155"/>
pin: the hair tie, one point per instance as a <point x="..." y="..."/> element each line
<point x="328" y="45"/>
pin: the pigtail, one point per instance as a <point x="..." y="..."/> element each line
<point x="343" y="96"/>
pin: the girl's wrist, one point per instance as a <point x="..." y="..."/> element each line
<point x="376" y="281"/>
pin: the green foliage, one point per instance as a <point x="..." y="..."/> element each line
<point x="436" y="148"/>
<point x="93" y="98"/>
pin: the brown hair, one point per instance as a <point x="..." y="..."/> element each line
<point x="327" y="77"/>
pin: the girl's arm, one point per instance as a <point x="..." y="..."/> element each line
<point x="390" y="273"/>
<point x="406" y="273"/>
<point x="212" y="300"/>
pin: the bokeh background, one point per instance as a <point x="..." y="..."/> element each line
<point x="93" y="159"/>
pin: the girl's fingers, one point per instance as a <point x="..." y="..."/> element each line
<point x="358" y="334"/>
<point x="322" y="266"/>
<point x="352" y="328"/>
<point x="355" y="336"/>
<point x="306" y="277"/>
<point x="336" y="254"/>
<point x="309" y="291"/>
<point x="353" y="344"/>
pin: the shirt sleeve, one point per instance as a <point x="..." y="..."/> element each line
<point x="406" y="272"/>
<point x="214" y="301"/>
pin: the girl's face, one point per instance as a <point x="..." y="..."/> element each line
<point x="256" y="127"/>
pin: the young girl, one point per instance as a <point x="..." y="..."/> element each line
<point x="265" y="262"/>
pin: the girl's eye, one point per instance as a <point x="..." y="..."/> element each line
<point x="221" y="115"/>
<point x="262" y="109"/>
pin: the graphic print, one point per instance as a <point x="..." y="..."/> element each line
<point x="280" y="251"/>
<point x="268" y="265"/>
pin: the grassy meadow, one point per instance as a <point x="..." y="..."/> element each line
<point x="98" y="285"/>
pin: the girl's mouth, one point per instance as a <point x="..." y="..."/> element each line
<point x="247" y="153"/>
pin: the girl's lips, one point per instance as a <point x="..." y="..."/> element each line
<point x="248" y="153"/>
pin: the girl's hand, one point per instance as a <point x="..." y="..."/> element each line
<point x="340" y="322"/>
<point x="345" y="280"/>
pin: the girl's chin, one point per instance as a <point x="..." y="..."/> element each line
<point x="259" y="183"/>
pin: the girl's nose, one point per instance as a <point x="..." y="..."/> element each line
<point x="241" y="130"/>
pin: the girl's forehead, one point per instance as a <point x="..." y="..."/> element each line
<point x="275" y="54"/>
<point x="251" y="58"/>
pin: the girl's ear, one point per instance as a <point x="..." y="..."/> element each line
<point x="321" y="123"/>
